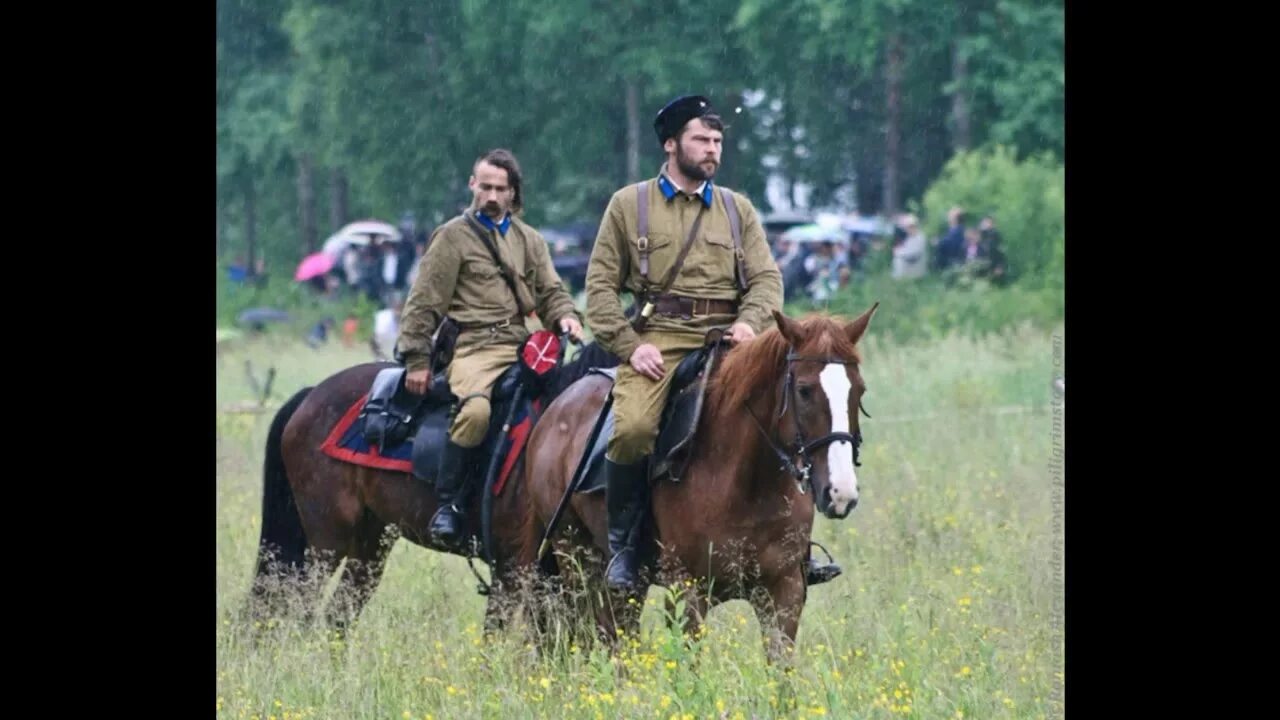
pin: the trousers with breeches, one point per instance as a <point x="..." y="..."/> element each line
<point x="638" y="401"/>
<point x="472" y="375"/>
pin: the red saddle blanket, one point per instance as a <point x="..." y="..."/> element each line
<point x="346" y="442"/>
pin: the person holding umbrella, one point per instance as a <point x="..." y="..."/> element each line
<point x="313" y="270"/>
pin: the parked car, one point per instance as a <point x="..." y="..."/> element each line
<point x="570" y="247"/>
<point x="775" y="224"/>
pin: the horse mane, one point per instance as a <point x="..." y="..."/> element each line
<point x="757" y="364"/>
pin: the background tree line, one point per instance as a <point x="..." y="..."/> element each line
<point x="331" y="111"/>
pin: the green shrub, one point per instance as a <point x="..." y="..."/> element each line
<point x="1027" y="198"/>
<point x="304" y="305"/>
<point x="928" y="308"/>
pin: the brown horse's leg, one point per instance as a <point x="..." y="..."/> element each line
<point x="496" y="613"/>
<point x="548" y="600"/>
<point x="620" y="612"/>
<point x="320" y="566"/>
<point x="326" y="495"/>
<point x="562" y="609"/>
<point x="685" y="602"/>
<point x="332" y="528"/>
<point x="515" y="575"/>
<point x="778" y="606"/>
<point x="503" y="604"/>
<point x="582" y="569"/>
<point x="366" y="559"/>
<point x="694" y="612"/>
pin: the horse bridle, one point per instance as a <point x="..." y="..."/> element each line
<point x="802" y="472"/>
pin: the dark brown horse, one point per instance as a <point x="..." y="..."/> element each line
<point x="318" y="511"/>
<point x="779" y="436"/>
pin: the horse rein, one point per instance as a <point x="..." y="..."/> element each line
<point x="802" y="472"/>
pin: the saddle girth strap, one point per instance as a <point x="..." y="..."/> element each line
<point x="735" y="227"/>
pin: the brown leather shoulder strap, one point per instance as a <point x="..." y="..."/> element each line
<point x="735" y="227"/>
<point x="642" y="206"/>
<point x="642" y="214"/>
<point x="503" y="270"/>
<point x="642" y="319"/>
<point x="684" y="252"/>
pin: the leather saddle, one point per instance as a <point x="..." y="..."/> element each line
<point x="392" y="415"/>
<point x="678" y="423"/>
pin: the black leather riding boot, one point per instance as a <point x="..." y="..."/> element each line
<point x="446" y="526"/>
<point x="625" y="497"/>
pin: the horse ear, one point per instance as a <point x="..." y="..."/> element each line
<point x="790" y="329"/>
<point x="856" y="328"/>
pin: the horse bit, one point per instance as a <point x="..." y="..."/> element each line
<point x="802" y="471"/>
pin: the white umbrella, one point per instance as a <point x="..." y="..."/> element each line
<point x="865" y="225"/>
<point x="371" y="227"/>
<point x="360" y="233"/>
<point x="336" y="244"/>
<point x="814" y="233"/>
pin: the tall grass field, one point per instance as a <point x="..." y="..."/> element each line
<point x="950" y="605"/>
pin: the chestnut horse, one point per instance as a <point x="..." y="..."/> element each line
<point x="317" y="510"/>
<point x="778" y="436"/>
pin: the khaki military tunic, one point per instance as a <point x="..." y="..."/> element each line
<point x="709" y="272"/>
<point x="457" y="277"/>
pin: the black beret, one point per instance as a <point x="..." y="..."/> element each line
<point x="673" y="117"/>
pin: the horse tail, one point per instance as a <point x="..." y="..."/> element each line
<point x="282" y="543"/>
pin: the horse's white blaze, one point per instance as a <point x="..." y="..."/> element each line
<point x="844" y="482"/>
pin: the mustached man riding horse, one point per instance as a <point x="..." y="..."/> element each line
<point x="696" y="260"/>
<point x="486" y="270"/>
<point x="322" y="504"/>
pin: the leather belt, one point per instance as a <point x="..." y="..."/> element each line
<point x="493" y="327"/>
<point x="687" y="308"/>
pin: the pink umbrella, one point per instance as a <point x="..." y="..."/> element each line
<point x="313" y="265"/>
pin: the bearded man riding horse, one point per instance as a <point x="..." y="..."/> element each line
<point x="695" y="258"/>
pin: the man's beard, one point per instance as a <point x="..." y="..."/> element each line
<point x="693" y="170"/>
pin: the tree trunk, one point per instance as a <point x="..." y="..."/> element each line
<point x="633" y="131"/>
<point x="893" y="119"/>
<point x="337" y="199"/>
<point x="250" y="226"/>
<point x="219" y="227"/>
<point x="306" y="204"/>
<point x="869" y="180"/>
<point x="787" y="144"/>
<point x="728" y="174"/>
<point x="961" y="138"/>
<point x="728" y="151"/>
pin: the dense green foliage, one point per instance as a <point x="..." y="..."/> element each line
<point x="380" y="107"/>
